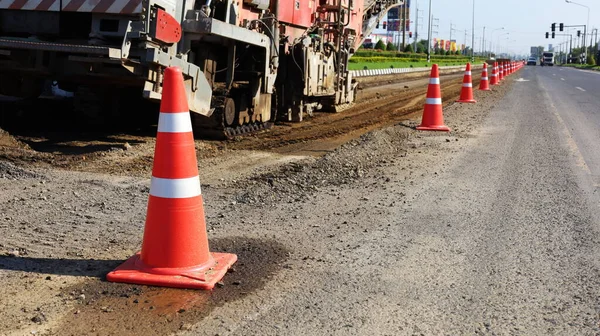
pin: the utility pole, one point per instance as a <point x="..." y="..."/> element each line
<point x="483" y="43"/>
<point x="416" y="26"/>
<point x="429" y="35"/>
<point x="473" y="36"/>
<point x="403" y="26"/>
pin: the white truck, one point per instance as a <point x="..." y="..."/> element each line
<point x="547" y="58"/>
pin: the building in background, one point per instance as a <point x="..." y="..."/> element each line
<point x="390" y="27"/>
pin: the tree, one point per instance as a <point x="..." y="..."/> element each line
<point x="590" y="59"/>
<point x="408" y="48"/>
<point x="390" y="47"/>
<point x="422" y="46"/>
<point x="380" y="45"/>
<point x="457" y="52"/>
<point x="448" y="53"/>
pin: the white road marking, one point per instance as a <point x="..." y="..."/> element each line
<point x="562" y="79"/>
<point x="553" y="74"/>
<point x="590" y="71"/>
<point x="578" y="88"/>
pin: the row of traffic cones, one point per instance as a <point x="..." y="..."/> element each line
<point x="433" y="118"/>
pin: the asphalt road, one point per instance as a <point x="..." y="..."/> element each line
<point x="500" y="238"/>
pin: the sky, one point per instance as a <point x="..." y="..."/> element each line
<point x="525" y="22"/>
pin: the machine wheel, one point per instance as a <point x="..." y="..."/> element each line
<point x="229" y="112"/>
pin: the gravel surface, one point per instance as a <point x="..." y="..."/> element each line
<point x="483" y="230"/>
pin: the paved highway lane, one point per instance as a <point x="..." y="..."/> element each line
<point x="510" y="234"/>
<point x="504" y="238"/>
<point x="575" y="97"/>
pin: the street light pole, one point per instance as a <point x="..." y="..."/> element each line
<point x="429" y="35"/>
<point x="584" y="28"/>
<point x="492" y="41"/>
<point x="498" y="39"/>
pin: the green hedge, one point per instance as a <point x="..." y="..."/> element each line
<point x="438" y="59"/>
<point x="380" y="53"/>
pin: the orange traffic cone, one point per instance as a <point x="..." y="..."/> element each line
<point x="494" y="76"/>
<point x="466" y="94"/>
<point x="433" y="117"/>
<point x="175" y="246"/>
<point x="484" y="85"/>
<point x="500" y="72"/>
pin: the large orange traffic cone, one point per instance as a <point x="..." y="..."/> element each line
<point x="433" y="117"/>
<point x="466" y="94"/>
<point x="484" y="85"/>
<point x="175" y="246"/>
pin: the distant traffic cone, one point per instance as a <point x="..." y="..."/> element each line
<point x="175" y="245"/>
<point x="494" y="76"/>
<point x="484" y="85"/>
<point x="466" y="94"/>
<point x="500" y="71"/>
<point x="433" y="116"/>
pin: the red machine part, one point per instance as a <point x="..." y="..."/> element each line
<point x="297" y="12"/>
<point x="167" y="29"/>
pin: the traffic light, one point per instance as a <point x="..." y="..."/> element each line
<point x="410" y="34"/>
<point x="384" y="24"/>
<point x="561" y="26"/>
<point x="578" y="33"/>
<point x="553" y="26"/>
<point x="553" y="34"/>
<point x="547" y="34"/>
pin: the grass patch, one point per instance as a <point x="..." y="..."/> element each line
<point x="583" y="66"/>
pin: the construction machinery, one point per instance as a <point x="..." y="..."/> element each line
<point x="246" y="63"/>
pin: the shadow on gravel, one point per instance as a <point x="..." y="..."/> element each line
<point x="67" y="145"/>
<point x="76" y="267"/>
<point x="125" y="309"/>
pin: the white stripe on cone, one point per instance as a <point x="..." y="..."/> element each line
<point x="434" y="81"/>
<point x="467" y="84"/>
<point x="175" y="188"/>
<point x="174" y="122"/>
<point x="433" y="101"/>
<point x="468" y="73"/>
<point x="484" y="78"/>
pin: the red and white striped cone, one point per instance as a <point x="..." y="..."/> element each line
<point x="466" y="94"/>
<point x="175" y="245"/>
<point x="484" y="84"/>
<point x="494" y="76"/>
<point x="500" y="71"/>
<point x="433" y="116"/>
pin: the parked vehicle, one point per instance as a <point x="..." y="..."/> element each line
<point x="532" y="61"/>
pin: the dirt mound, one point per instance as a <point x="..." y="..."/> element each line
<point x="12" y="172"/>
<point x="350" y="162"/>
<point x="7" y="140"/>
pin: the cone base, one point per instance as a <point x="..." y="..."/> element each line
<point x="486" y="89"/>
<point x="441" y="128"/>
<point x="133" y="271"/>
<point x="466" y="101"/>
